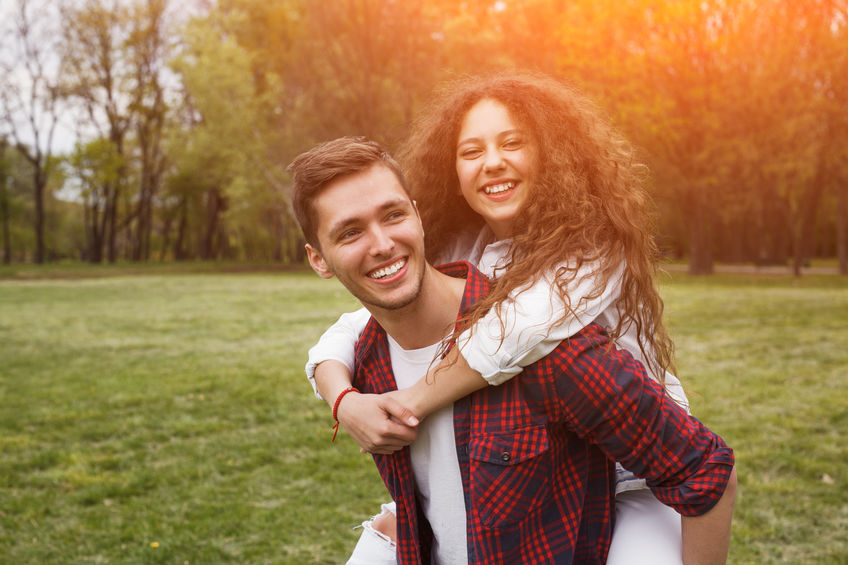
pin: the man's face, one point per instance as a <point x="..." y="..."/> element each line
<point x="371" y="238"/>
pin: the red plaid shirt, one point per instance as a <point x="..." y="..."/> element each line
<point x="536" y="453"/>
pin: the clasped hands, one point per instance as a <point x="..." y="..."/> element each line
<point x="379" y="423"/>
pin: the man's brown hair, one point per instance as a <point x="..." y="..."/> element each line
<point x="313" y="170"/>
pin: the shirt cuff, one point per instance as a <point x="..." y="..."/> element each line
<point x="311" y="365"/>
<point x="698" y="495"/>
<point x="496" y="368"/>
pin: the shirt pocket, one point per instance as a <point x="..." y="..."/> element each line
<point x="509" y="474"/>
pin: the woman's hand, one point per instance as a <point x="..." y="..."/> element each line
<point x="377" y="422"/>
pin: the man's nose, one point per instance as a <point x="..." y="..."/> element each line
<point x="381" y="242"/>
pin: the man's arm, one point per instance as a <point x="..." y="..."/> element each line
<point x="706" y="538"/>
<point x="607" y="397"/>
<point x="378" y="423"/>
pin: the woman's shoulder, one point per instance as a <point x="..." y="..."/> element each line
<point x="467" y="246"/>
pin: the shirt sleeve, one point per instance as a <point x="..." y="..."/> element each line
<point x="608" y="398"/>
<point x="338" y="343"/>
<point x="534" y="321"/>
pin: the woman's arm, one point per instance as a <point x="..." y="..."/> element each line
<point x="338" y="343"/>
<point x="378" y="424"/>
<point x="535" y="321"/>
<point x="444" y="384"/>
<point x="533" y="330"/>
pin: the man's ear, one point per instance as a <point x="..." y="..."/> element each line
<point x="316" y="261"/>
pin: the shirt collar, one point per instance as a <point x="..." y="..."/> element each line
<point x="476" y="285"/>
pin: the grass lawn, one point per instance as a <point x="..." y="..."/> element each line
<point x="163" y="417"/>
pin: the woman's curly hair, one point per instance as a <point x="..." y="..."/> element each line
<point x="588" y="201"/>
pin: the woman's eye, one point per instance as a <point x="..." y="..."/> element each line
<point x="470" y="153"/>
<point x="513" y="144"/>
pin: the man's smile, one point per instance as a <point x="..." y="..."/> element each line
<point x="388" y="271"/>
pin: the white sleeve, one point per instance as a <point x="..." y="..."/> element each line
<point x="534" y="323"/>
<point x="337" y="343"/>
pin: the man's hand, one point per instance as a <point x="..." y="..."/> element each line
<point x="377" y="422"/>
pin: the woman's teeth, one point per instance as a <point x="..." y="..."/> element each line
<point x="388" y="271"/>
<point x="496" y="188"/>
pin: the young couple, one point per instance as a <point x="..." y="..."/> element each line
<point x="520" y="176"/>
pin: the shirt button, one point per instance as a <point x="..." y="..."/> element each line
<point x="505" y="456"/>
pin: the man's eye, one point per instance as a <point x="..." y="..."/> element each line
<point x="349" y="234"/>
<point x="397" y="215"/>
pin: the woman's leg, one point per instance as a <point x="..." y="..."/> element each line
<point x="376" y="545"/>
<point x="647" y="532"/>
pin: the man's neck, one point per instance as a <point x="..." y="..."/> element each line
<point x="430" y="317"/>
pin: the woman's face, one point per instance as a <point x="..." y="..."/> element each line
<point x="495" y="163"/>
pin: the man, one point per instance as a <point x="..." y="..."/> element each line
<point x="522" y="472"/>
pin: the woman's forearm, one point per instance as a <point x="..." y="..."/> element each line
<point x="378" y="423"/>
<point x="331" y="378"/>
<point x="444" y="384"/>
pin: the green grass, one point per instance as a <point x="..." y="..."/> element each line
<point x="164" y="417"/>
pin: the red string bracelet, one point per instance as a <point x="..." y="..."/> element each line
<point x="336" y="408"/>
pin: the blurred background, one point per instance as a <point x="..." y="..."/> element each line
<point x="149" y="130"/>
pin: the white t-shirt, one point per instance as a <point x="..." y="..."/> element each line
<point x="434" y="462"/>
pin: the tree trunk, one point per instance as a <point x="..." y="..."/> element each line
<point x="700" y="235"/>
<point x="805" y="234"/>
<point x="39" y="184"/>
<point x="93" y="219"/>
<point x="213" y="211"/>
<point x="842" y="227"/>
<point x="179" y="244"/>
<point x="4" y="218"/>
<point x="4" y="205"/>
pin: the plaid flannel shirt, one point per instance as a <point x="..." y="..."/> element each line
<point x="536" y="453"/>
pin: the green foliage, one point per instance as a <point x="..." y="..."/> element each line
<point x="172" y="410"/>
<point x="738" y="106"/>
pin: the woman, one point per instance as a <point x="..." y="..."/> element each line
<point x="520" y="175"/>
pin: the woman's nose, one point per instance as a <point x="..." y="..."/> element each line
<point x="494" y="161"/>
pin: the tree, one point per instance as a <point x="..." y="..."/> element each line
<point x="98" y="167"/>
<point x="95" y="34"/>
<point x="31" y="97"/>
<point x="148" y="50"/>
<point x="5" y="179"/>
<point x="227" y="194"/>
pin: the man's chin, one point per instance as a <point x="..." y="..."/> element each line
<point x="389" y="304"/>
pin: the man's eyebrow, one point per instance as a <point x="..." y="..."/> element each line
<point x="343" y="223"/>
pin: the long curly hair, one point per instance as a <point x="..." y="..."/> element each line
<point x="588" y="201"/>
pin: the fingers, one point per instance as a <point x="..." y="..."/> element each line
<point x="377" y="423"/>
<point x="397" y="411"/>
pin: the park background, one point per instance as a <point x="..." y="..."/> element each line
<point x="143" y="130"/>
<point x="155" y="310"/>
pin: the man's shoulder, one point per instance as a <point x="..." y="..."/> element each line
<point x="369" y="337"/>
<point x="476" y="283"/>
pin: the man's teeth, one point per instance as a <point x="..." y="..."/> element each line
<point x="387" y="271"/>
<point x="496" y="188"/>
